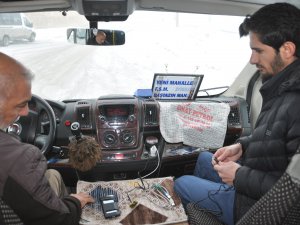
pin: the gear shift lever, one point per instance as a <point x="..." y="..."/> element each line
<point x="76" y="130"/>
<point x="84" y="151"/>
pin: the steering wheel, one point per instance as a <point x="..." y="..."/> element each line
<point x="30" y="132"/>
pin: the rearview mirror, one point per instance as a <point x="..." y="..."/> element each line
<point x="95" y="36"/>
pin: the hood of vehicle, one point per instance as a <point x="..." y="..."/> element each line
<point x="126" y="7"/>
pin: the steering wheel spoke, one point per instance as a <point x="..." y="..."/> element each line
<point x="29" y="125"/>
<point x="41" y="140"/>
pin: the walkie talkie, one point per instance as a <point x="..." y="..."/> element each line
<point x="108" y="199"/>
<point x="110" y="207"/>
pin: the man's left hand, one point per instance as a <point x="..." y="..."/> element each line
<point x="226" y="171"/>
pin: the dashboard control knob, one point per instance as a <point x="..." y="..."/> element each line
<point x="110" y="138"/>
<point x="127" y="137"/>
<point x="131" y="118"/>
<point x="102" y="119"/>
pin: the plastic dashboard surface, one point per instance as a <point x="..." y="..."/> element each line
<point x="126" y="128"/>
<point x="121" y="125"/>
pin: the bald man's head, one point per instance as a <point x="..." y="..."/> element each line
<point x="15" y="90"/>
<point x="11" y="71"/>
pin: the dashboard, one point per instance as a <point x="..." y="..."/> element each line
<point x="124" y="126"/>
<point x="123" y="123"/>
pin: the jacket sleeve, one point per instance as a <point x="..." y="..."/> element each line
<point x="29" y="194"/>
<point x="258" y="182"/>
<point x="244" y="142"/>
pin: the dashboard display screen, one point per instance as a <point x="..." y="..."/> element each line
<point x="118" y="113"/>
<point x="115" y="111"/>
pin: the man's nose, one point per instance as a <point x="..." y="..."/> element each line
<point x="253" y="58"/>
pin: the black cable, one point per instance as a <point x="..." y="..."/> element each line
<point x="211" y="193"/>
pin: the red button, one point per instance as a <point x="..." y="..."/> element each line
<point x="67" y="123"/>
<point x="119" y="156"/>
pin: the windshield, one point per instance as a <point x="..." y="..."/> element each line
<point x="156" y="42"/>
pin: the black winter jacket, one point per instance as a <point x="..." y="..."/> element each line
<point x="275" y="139"/>
<point x="24" y="187"/>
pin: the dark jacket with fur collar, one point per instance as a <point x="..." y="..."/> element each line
<point x="275" y="139"/>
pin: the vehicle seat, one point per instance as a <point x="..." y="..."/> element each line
<point x="256" y="102"/>
<point x="7" y="215"/>
<point x="280" y="205"/>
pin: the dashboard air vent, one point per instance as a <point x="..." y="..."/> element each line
<point x="151" y="114"/>
<point x="234" y="116"/>
<point x="83" y="117"/>
<point x="227" y="101"/>
<point x="82" y="103"/>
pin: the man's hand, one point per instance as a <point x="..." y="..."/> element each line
<point x="84" y="198"/>
<point x="226" y="171"/>
<point x="227" y="154"/>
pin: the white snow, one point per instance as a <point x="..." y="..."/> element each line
<point x="200" y="44"/>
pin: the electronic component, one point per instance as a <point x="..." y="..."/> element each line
<point x="216" y="160"/>
<point x="106" y="199"/>
<point x="164" y="192"/>
<point x="110" y="207"/>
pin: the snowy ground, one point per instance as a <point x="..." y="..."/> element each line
<point x="210" y="46"/>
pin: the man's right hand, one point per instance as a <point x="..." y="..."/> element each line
<point x="84" y="198"/>
<point x="228" y="153"/>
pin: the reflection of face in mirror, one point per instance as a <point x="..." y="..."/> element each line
<point x="95" y="37"/>
<point x="98" y="38"/>
<point x="101" y="38"/>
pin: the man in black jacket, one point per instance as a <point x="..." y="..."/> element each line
<point x="24" y="185"/>
<point x="223" y="186"/>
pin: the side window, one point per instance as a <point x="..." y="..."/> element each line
<point x="17" y="19"/>
<point x="26" y="22"/>
<point x="2" y="19"/>
<point x="10" y="19"/>
<point x="5" y="19"/>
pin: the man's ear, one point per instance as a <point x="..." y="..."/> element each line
<point x="288" y="50"/>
